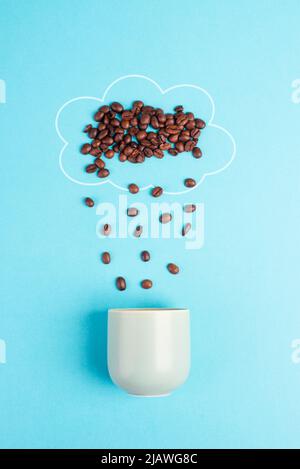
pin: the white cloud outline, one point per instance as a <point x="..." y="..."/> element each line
<point x="163" y="92"/>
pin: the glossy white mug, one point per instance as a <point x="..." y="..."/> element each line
<point x="149" y="349"/>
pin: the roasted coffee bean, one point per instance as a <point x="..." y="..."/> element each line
<point x="173" y="129"/>
<point x="98" y="116"/>
<point x="141" y="135"/>
<point x="183" y="137"/>
<point x="102" y="134"/>
<point x="121" y="283"/>
<point x="195" y="133"/>
<point x="189" y="208"/>
<point x="86" y="148"/>
<point x="106" y="229"/>
<point x="190" y="125"/>
<point x="108" y="140"/>
<point x="138" y="231"/>
<point x="105" y="256"/>
<point x="103" y="173"/>
<point x="132" y="212"/>
<point x="104" y="109"/>
<point x="186" y="228"/>
<point x="109" y="154"/>
<point x="145" y="256"/>
<point x="91" y="168"/>
<point x="197" y="153"/>
<point x="158" y="153"/>
<point x="189" y="146"/>
<point x="117" y="107"/>
<point x="96" y="143"/>
<point x="200" y="124"/>
<point x="165" y="218"/>
<point x="145" y="119"/>
<point x="93" y="132"/>
<point x="127" y="115"/>
<point x="99" y="163"/>
<point x="133" y="188"/>
<point x="148" y="152"/>
<point x="179" y="147"/>
<point x="190" y="116"/>
<point x="157" y="191"/>
<point x="115" y="123"/>
<point x="146" y="284"/>
<point x="178" y="108"/>
<point x="95" y="152"/>
<point x="173" y="151"/>
<point x="122" y="157"/>
<point x="87" y="128"/>
<point x="154" y="122"/>
<point x="173" y="138"/>
<point x="164" y="146"/>
<point x="173" y="268"/>
<point x="138" y="104"/>
<point x="189" y="182"/>
<point x="89" y="202"/>
<point x="125" y="124"/>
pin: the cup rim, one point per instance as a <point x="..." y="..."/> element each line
<point x="141" y="310"/>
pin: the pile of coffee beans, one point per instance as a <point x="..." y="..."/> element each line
<point x="138" y="133"/>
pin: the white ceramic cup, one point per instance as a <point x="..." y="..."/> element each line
<point x="148" y="349"/>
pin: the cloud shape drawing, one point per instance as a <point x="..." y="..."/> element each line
<point x="70" y="121"/>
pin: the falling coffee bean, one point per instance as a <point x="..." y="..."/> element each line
<point x="146" y="284"/>
<point x="105" y="258"/>
<point x="189" y="182"/>
<point x="91" y="168"/>
<point x="186" y="228"/>
<point x="89" y="202"/>
<point x="133" y="188"/>
<point x="189" y="208"/>
<point x="165" y="218"/>
<point x="145" y="256"/>
<point x="132" y="212"/>
<point x="121" y="283"/>
<point x="173" y="268"/>
<point x="157" y="191"/>
<point x="138" y="231"/>
<point x="103" y="173"/>
<point x="106" y="229"/>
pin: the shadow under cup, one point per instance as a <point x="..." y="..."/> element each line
<point x="149" y="349"/>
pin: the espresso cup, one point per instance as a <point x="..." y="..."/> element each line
<point x="149" y="349"/>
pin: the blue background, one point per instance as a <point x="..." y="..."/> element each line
<point x="242" y="287"/>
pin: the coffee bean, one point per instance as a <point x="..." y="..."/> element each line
<point x="189" y="182"/>
<point x="173" y="138"/>
<point x="96" y="143"/>
<point x="173" y="268"/>
<point x="145" y="256"/>
<point x="89" y="202"/>
<point x="93" y="133"/>
<point x="154" y="122"/>
<point x="117" y="107"/>
<point x="146" y="284"/>
<point x="186" y="228"/>
<point x="165" y="218"/>
<point x="173" y="151"/>
<point x="200" y="124"/>
<point x="109" y="154"/>
<point x="189" y="146"/>
<point x="178" y="108"/>
<point x="157" y="191"/>
<point x="145" y="119"/>
<point x="197" y="153"/>
<point x="102" y="134"/>
<point x="86" y="148"/>
<point x="105" y="256"/>
<point x="99" y="116"/>
<point x="141" y="135"/>
<point x="132" y="212"/>
<point x="173" y="129"/>
<point x="104" y="109"/>
<point x="189" y="208"/>
<point x="91" y="168"/>
<point x="133" y="188"/>
<point x="106" y="229"/>
<point x="138" y="231"/>
<point x="103" y="173"/>
<point x="179" y="147"/>
<point x="121" y="283"/>
<point x="87" y="128"/>
<point x="99" y="163"/>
